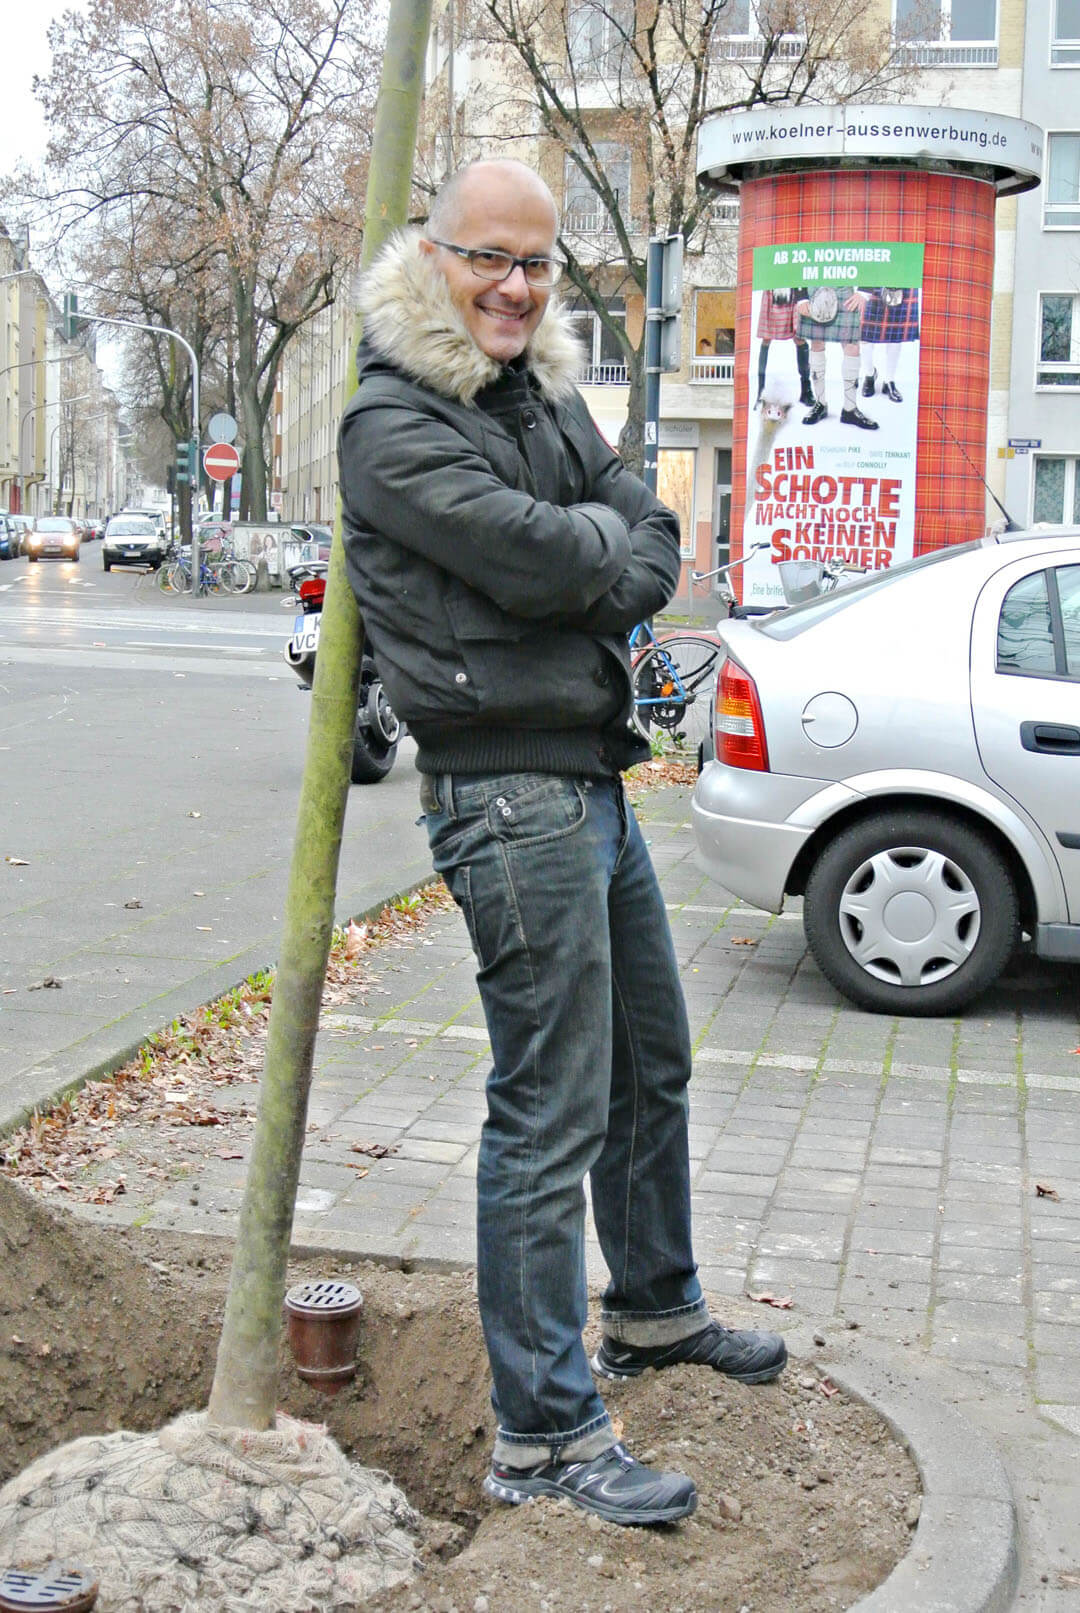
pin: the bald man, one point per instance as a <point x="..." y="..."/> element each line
<point x="500" y="553"/>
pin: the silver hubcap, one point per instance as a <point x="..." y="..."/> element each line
<point x="909" y="916"/>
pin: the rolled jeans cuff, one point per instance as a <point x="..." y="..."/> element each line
<point x="579" y="1445"/>
<point x="646" y="1329"/>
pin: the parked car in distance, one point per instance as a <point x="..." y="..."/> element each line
<point x="22" y="524"/>
<point x="53" y="536"/>
<point x="150" y="513"/>
<point x="132" y="540"/>
<point x="905" y="754"/>
<point x="94" y="529"/>
<point x="10" y="537"/>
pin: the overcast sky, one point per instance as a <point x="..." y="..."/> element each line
<point x="26" y="52"/>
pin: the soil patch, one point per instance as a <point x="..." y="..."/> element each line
<point x="806" y="1501"/>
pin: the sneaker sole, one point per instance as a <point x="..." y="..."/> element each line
<point x="619" y="1374"/>
<point x="531" y="1489"/>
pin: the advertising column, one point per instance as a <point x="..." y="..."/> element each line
<point x="862" y="341"/>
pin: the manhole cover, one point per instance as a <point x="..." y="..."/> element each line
<point x="59" y="1588"/>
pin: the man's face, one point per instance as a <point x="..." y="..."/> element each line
<point x="505" y="211"/>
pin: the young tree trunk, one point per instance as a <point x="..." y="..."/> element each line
<point x="245" y="1381"/>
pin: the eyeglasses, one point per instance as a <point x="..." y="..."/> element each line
<point x="487" y="264"/>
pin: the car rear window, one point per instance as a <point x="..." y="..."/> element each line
<point x="795" y="619"/>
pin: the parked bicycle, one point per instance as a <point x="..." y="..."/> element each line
<point x="674" y="677"/>
<point x="218" y="573"/>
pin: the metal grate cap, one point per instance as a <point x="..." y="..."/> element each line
<point x="57" y="1588"/>
<point x="324" y="1296"/>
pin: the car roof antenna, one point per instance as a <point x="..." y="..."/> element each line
<point x="1010" y="524"/>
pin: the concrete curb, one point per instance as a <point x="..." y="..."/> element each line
<point x="964" y="1557"/>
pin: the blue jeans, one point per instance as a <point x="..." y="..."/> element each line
<point x="591" y="1052"/>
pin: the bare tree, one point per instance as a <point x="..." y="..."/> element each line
<point x="616" y="92"/>
<point x="225" y="144"/>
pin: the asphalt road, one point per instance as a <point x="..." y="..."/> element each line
<point x="151" y="754"/>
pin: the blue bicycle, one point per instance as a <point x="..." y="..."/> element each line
<point x="673" y="681"/>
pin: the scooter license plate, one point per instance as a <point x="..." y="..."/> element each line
<point x="307" y="642"/>
<point x="299" y="622"/>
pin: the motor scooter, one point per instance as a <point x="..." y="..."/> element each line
<point x="377" y="730"/>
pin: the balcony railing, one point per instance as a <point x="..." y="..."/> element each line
<point x="712" y="369"/>
<point x="596" y="223"/>
<point x="788" y="49"/>
<point x="938" y="54"/>
<point x="603" y="375"/>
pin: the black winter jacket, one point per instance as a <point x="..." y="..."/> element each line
<point x="499" y="550"/>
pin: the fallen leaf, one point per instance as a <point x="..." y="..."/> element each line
<point x="198" y="893"/>
<point x="361" y="1170"/>
<point x="743" y="941"/>
<point x="355" y="936"/>
<point x="1044" y="1192"/>
<point x="206" y="928"/>
<point x="194" y="814"/>
<point x="17" y="862"/>
<point x="228" y="1153"/>
<point x="49" y="981"/>
<point x="133" y="903"/>
<point x="44" y="1349"/>
<point x="784" y="1304"/>
<point x="827" y="1388"/>
<point x="374" y="1150"/>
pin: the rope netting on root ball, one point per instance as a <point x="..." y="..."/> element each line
<point x="209" y="1518"/>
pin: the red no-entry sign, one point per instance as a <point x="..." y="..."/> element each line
<point x="221" y="461"/>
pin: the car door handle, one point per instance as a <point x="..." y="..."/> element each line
<point x="1051" y="738"/>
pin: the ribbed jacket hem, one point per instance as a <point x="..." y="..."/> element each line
<point x="581" y="752"/>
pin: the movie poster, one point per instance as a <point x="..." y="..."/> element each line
<point x="834" y="389"/>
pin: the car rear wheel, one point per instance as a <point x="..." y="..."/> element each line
<point x="909" y="913"/>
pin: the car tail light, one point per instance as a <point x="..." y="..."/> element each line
<point x="740" y="728"/>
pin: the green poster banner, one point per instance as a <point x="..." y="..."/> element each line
<point x="839" y="263"/>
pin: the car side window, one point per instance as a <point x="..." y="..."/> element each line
<point x="1068" y="583"/>
<point x="1025" y="630"/>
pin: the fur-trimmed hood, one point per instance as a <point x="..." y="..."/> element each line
<point x="410" y="320"/>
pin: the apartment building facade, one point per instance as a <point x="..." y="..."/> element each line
<point x="1013" y="57"/>
<point x="59" y="422"/>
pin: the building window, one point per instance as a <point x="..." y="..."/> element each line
<point x="1065" y="44"/>
<point x="605" y="363"/>
<point x="1061" y="210"/>
<point x="1059" y="339"/>
<point x="1057" y="490"/>
<point x="956" y="33"/>
<point x="598" y="34"/>
<point x="675" y="487"/>
<point x="714" y="336"/>
<point x="745" y="24"/>
<point x="583" y="211"/>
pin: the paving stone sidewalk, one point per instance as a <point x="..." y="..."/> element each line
<point x="881" y="1172"/>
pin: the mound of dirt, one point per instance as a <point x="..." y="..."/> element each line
<point x="806" y="1501"/>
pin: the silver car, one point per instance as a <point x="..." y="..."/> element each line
<point x="905" y="754"/>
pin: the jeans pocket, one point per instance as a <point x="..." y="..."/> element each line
<point x="532" y="808"/>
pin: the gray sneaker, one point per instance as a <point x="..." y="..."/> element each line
<point x="746" y="1356"/>
<point x="612" y="1485"/>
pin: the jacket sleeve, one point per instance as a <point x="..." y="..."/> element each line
<point x="416" y="480"/>
<point x="651" y="574"/>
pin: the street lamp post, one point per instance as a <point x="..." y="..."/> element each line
<point x="164" y="330"/>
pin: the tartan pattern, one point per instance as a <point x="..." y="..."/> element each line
<point x="880" y="323"/>
<point x="776" y="322"/>
<point x="954" y="217"/>
<point x="844" y="328"/>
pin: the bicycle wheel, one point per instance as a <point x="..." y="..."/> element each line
<point x="179" y="578"/>
<point x="673" y="692"/>
<point x="235" y="577"/>
<point x="161" y="576"/>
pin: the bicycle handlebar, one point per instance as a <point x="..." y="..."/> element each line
<point x="703" y="576"/>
